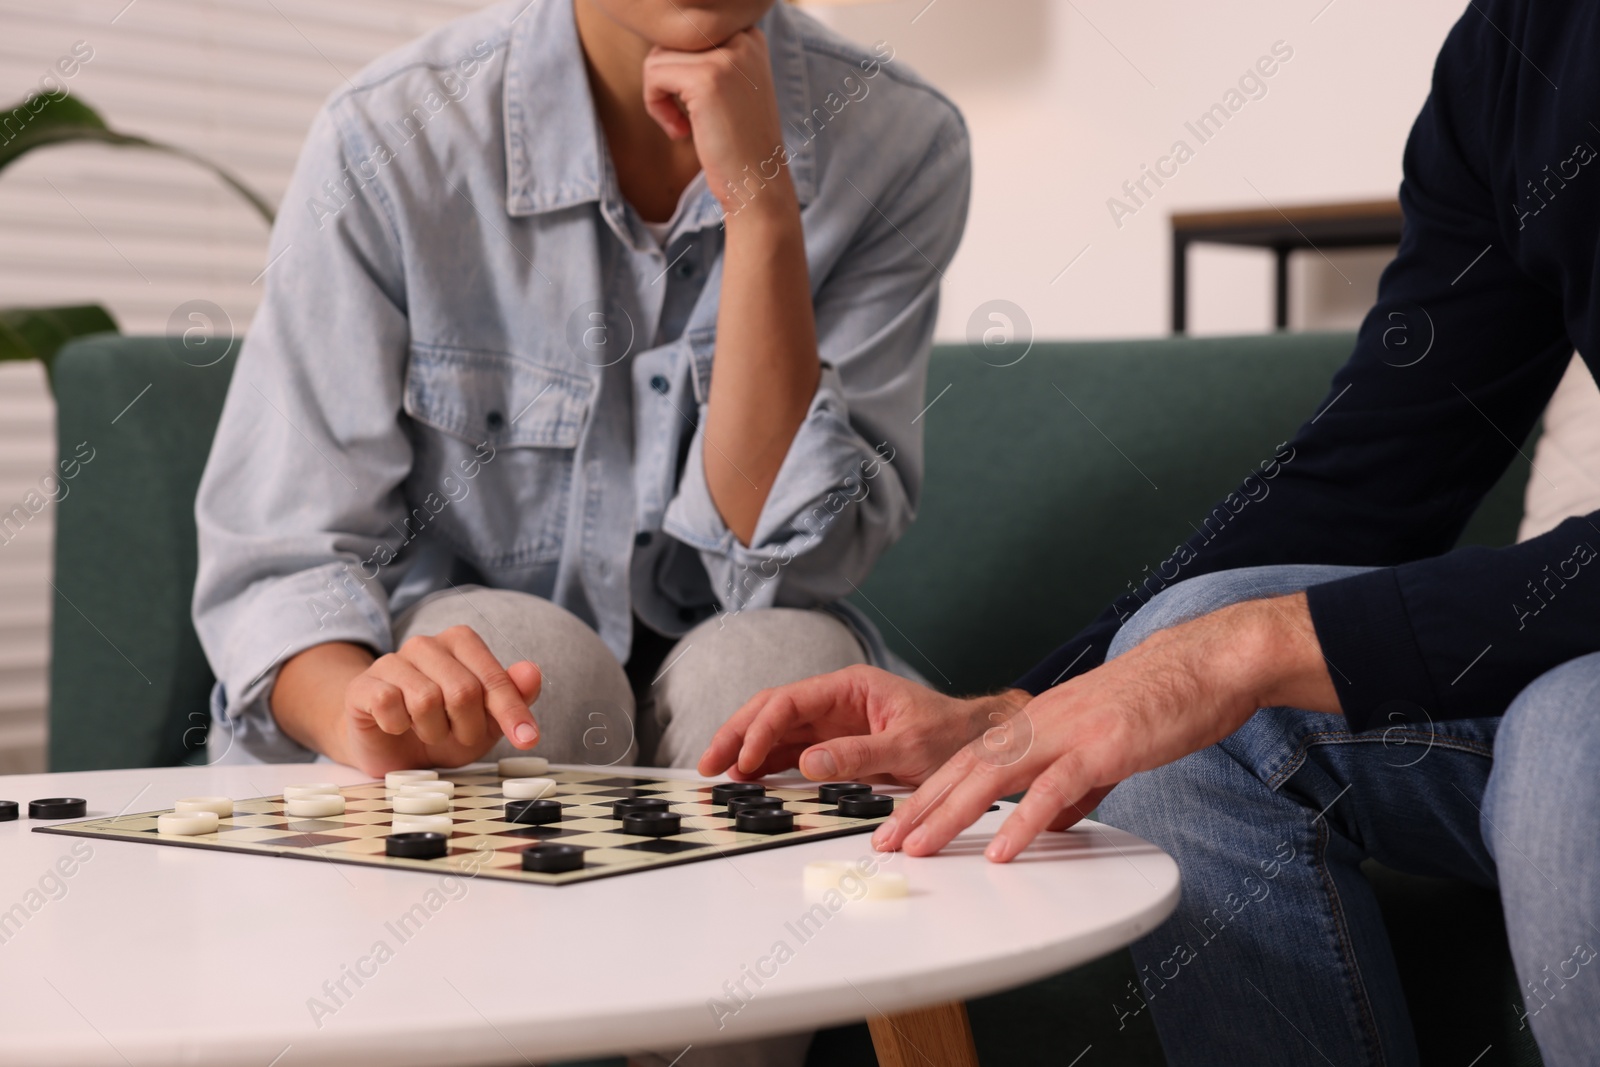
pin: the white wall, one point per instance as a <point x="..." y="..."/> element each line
<point x="1067" y="98"/>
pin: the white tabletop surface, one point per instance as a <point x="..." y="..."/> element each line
<point x="160" y="955"/>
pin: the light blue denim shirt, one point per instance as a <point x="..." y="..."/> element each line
<point x="473" y="362"/>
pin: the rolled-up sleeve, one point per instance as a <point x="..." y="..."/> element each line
<point x="301" y="494"/>
<point x="849" y="485"/>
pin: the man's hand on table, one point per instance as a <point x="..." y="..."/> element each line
<point x="1178" y="691"/>
<point x="860" y="723"/>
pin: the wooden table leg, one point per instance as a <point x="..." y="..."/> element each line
<point x="928" y="1037"/>
<point x="1180" y="283"/>
<point x="1280" y="313"/>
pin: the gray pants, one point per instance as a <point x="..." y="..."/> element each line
<point x="588" y="712"/>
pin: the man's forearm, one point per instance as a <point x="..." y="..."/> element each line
<point x="1284" y="662"/>
<point x="766" y="368"/>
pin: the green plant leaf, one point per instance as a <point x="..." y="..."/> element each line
<point x="39" y="333"/>
<point x="48" y="119"/>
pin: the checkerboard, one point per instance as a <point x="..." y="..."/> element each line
<point x="483" y="844"/>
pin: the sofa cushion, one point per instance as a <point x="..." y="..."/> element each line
<point x="1054" y="482"/>
<point x="128" y="681"/>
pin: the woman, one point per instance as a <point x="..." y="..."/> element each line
<point x="594" y="336"/>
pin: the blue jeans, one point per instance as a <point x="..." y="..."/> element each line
<point x="1277" y="952"/>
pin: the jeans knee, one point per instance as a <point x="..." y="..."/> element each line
<point x="1173" y="605"/>
<point x="1205" y="799"/>
<point x="1205" y="593"/>
<point x="1547" y="745"/>
<point x="1558" y="709"/>
<point x="1152" y="802"/>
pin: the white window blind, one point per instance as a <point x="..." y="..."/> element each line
<point x="141" y="233"/>
<point x="27" y="452"/>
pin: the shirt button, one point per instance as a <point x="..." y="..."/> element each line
<point x="495" y="421"/>
<point x="685" y="269"/>
<point x="660" y="384"/>
<point x="642" y="538"/>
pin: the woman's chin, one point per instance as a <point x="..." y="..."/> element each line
<point x="697" y="31"/>
<point x="685" y="25"/>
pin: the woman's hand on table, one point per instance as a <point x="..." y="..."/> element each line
<point x="440" y="700"/>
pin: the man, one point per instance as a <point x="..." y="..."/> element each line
<point x="1340" y="683"/>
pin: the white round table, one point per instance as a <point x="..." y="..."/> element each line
<point x="121" y="953"/>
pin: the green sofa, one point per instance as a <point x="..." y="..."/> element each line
<point x="1052" y="483"/>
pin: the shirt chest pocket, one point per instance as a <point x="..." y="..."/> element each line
<point x="494" y="438"/>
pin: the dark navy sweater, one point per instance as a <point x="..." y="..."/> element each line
<point x="1492" y="287"/>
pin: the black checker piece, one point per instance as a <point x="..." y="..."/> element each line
<point x="830" y="792"/>
<point x="543" y="833"/>
<point x="738" y="804"/>
<point x="553" y="859"/>
<point x="661" y="845"/>
<point x="723" y="792"/>
<point x="866" y="805"/>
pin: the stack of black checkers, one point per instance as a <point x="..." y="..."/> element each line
<point x="855" y="800"/>
<point x="647" y="817"/>
<point x="753" y="811"/>
<point x="723" y="792"/>
<point x="622" y="807"/>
